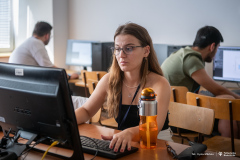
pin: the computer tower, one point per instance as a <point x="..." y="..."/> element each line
<point x="101" y="56"/>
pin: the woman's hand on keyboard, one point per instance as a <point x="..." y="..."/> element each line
<point x="120" y="140"/>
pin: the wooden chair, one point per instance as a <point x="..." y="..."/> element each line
<point x="91" y="86"/>
<point x="228" y="109"/>
<point x="110" y="122"/>
<point x="94" y="75"/>
<point x="178" y="94"/>
<point x="193" y="118"/>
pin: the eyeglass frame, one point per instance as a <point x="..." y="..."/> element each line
<point x="113" y="48"/>
<point x="171" y="151"/>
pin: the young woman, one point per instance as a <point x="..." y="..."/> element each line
<point x="134" y="68"/>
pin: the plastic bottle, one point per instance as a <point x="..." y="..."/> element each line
<point x="148" y="128"/>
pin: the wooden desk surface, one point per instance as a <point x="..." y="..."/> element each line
<point x="77" y="82"/>
<point x="80" y="83"/>
<point x="142" y="154"/>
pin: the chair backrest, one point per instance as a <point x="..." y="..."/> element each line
<point x="178" y="94"/>
<point x="191" y="117"/>
<point x="91" y="86"/>
<point x="219" y="105"/>
<point x="94" y="75"/>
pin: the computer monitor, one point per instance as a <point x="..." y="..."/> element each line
<point x="35" y="104"/>
<point x="226" y="64"/>
<point x="79" y="53"/>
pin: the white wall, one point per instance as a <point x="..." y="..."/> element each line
<point x="168" y="21"/>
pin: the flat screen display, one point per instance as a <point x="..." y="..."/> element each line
<point x="226" y="64"/>
<point x="79" y="53"/>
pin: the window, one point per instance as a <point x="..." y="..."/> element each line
<point x="6" y="26"/>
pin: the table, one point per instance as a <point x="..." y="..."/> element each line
<point x="79" y="83"/>
<point x="142" y="154"/>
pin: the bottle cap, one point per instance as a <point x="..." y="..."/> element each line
<point x="148" y="94"/>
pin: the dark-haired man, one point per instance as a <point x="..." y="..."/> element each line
<point x="33" y="51"/>
<point x="186" y="68"/>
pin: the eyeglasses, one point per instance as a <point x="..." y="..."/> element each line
<point x="126" y="49"/>
<point x="171" y="151"/>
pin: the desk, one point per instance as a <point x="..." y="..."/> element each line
<point x="74" y="85"/>
<point x="142" y="154"/>
<point x="80" y="83"/>
<point x="77" y="82"/>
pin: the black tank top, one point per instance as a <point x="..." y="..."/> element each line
<point x="132" y="118"/>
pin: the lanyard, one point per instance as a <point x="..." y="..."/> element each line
<point x="120" y="105"/>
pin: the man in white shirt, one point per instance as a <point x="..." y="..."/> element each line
<point x="33" y="51"/>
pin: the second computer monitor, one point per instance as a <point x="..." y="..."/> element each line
<point x="226" y="64"/>
<point x="96" y="55"/>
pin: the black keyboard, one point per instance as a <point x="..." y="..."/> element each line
<point x="236" y="91"/>
<point x="92" y="145"/>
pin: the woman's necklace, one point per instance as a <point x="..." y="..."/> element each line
<point x="129" y="93"/>
<point x="129" y="86"/>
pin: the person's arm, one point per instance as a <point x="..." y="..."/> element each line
<point x="163" y="91"/>
<point x="202" y="78"/>
<point x="94" y="102"/>
<point x="72" y="76"/>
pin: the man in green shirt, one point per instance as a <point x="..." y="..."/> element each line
<point x="186" y="68"/>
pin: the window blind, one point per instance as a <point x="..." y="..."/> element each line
<point x="5" y="24"/>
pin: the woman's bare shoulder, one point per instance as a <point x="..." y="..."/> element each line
<point x="159" y="84"/>
<point x="156" y="79"/>
<point x="106" y="77"/>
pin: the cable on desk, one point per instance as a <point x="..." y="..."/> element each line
<point x="96" y="145"/>
<point x="33" y="145"/>
<point x="238" y="84"/>
<point x="53" y="144"/>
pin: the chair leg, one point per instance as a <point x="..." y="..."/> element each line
<point x="179" y="134"/>
<point x="200" y="138"/>
<point x="231" y="126"/>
